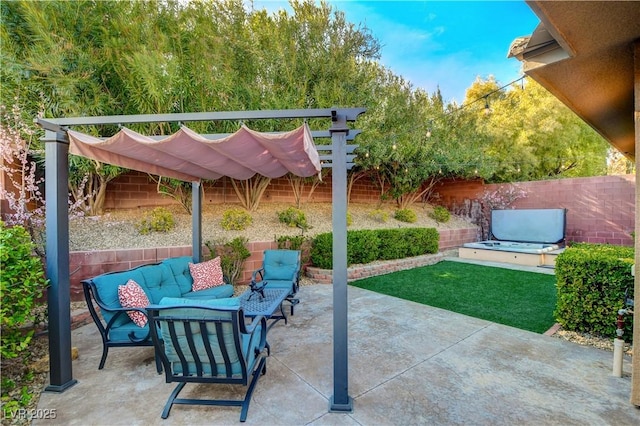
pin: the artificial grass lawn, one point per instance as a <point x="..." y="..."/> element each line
<point x="524" y="300"/>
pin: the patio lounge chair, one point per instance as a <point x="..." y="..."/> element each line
<point x="280" y="269"/>
<point x="208" y="342"/>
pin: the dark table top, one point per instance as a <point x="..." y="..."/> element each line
<point x="254" y="305"/>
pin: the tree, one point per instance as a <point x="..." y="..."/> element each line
<point x="533" y="136"/>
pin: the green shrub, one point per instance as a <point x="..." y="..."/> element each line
<point x="379" y="215"/>
<point x="440" y="214"/>
<point x="294" y="218"/>
<point x="421" y="241"/>
<point x="159" y="220"/>
<point x="349" y="219"/>
<point x="322" y="250"/>
<point x="22" y="281"/>
<point x="365" y="246"/>
<point x="591" y="282"/>
<point x="236" y="219"/>
<point x="392" y="244"/>
<point x="406" y="215"/>
<point x="232" y="254"/>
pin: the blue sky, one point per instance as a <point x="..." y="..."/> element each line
<point x="444" y="44"/>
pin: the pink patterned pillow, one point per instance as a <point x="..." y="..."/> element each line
<point x="206" y="274"/>
<point x="131" y="295"/>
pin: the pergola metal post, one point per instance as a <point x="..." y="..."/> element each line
<point x="340" y="401"/>
<point x="57" y="252"/>
<point x="196" y="221"/>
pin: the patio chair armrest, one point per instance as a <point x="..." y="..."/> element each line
<point x="253" y="328"/>
<point x="249" y="328"/>
<point x="256" y="273"/>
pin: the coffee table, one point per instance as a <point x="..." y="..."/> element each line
<point x="264" y="302"/>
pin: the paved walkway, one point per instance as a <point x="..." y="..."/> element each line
<point x="409" y="364"/>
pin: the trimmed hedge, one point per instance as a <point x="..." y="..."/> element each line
<point x="591" y="282"/>
<point x="365" y="246"/>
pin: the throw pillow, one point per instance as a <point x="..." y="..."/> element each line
<point x="206" y="274"/>
<point x="131" y="295"/>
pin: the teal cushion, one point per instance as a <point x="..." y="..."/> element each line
<point x="107" y="287"/>
<point x="281" y="264"/>
<point x="287" y="284"/>
<point x="216" y="292"/>
<point x="157" y="282"/>
<point x="179" y="267"/>
<point x="228" y="302"/>
<point x="193" y="311"/>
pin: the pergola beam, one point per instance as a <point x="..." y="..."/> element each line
<point x="59" y="124"/>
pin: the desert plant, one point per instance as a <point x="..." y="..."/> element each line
<point x="294" y="217"/>
<point x="232" y="254"/>
<point x="236" y="219"/>
<point x="159" y="220"/>
<point x="176" y="189"/>
<point x="440" y="214"/>
<point x="379" y="215"/>
<point x="406" y="215"/>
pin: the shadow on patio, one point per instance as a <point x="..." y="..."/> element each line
<point x="408" y="364"/>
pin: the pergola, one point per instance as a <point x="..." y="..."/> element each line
<point x="193" y="157"/>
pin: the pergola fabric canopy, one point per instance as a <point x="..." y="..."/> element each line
<point x="188" y="156"/>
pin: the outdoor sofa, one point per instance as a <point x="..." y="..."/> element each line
<point x="127" y="326"/>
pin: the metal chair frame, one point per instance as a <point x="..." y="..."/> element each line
<point x="197" y="371"/>
<point x="258" y="276"/>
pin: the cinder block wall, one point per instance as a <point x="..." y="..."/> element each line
<point x="87" y="264"/>
<point x="599" y="209"/>
<point x="135" y="190"/>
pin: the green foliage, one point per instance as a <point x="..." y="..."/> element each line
<point x="440" y="214"/>
<point x="365" y="246"/>
<point x="392" y="244"/>
<point x="349" y="219"/>
<point x="22" y="283"/>
<point x="236" y="219"/>
<point x="232" y="254"/>
<point x="322" y="250"/>
<point x="406" y="215"/>
<point x="362" y="246"/>
<point x="294" y="217"/>
<point x="379" y="215"/>
<point x="159" y="220"/>
<point x="591" y="283"/>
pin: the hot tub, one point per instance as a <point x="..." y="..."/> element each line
<point x="513" y="246"/>
<point x="530" y="237"/>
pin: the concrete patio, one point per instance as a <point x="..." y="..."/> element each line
<point x="409" y="364"/>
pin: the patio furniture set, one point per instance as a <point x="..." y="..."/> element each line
<point x="201" y="334"/>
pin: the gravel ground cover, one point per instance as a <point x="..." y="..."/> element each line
<point x="117" y="229"/>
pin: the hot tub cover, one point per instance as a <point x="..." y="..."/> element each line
<point x="188" y="156"/>
<point x="546" y="226"/>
